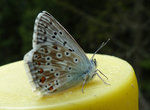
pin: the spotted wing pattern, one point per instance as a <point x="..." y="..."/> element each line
<point x="56" y="61"/>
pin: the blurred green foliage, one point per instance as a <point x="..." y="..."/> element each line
<point x="90" y="22"/>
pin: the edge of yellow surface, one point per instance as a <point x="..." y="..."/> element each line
<point x="122" y="94"/>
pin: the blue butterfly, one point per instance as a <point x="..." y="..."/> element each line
<point x="56" y="61"/>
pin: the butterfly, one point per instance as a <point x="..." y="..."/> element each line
<point x="56" y="61"/>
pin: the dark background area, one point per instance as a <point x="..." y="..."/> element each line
<point x="90" y="22"/>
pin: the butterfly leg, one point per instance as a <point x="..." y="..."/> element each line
<point x="101" y="73"/>
<point x="85" y="79"/>
<point x="83" y="85"/>
<point x="100" y="76"/>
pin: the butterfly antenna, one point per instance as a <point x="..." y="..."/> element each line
<point x="101" y="46"/>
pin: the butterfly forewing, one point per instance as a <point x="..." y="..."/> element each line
<point x="56" y="61"/>
<point x="47" y="29"/>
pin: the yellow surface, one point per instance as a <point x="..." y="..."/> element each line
<point x="122" y="94"/>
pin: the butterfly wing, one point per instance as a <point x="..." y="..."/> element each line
<point x="47" y="30"/>
<point x="56" y="61"/>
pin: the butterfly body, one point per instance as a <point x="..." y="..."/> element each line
<point x="56" y="61"/>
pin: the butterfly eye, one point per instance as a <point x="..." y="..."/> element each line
<point x="47" y="63"/>
<point x="47" y="58"/>
<point x="55" y="33"/>
<point x="56" y="82"/>
<point x="35" y="56"/>
<point x="64" y="43"/>
<point x="67" y="53"/>
<point x="95" y="62"/>
<point x="76" y="60"/>
<point x="68" y="76"/>
<point x="57" y="74"/>
<point x="50" y="23"/>
<point x="60" y="33"/>
<point x="53" y="37"/>
<point x="59" y="55"/>
<point x="52" y="70"/>
<point x="46" y="86"/>
<point x="69" y="68"/>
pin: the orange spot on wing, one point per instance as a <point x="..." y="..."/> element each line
<point x="39" y="63"/>
<point x="55" y="47"/>
<point x="41" y="70"/>
<point x="39" y="56"/>
<point x="50" y="88"/>
<point x="43" y="79"/>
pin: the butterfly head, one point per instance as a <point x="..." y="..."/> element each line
<point x="95" y="62"/>
<point x="91" y="72"/>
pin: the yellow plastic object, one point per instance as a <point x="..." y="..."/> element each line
<point x="122" y="94"/>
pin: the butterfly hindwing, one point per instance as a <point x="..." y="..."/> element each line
<point x="51" y="70"/>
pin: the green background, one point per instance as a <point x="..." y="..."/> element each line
<point x="90" y="22"/>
